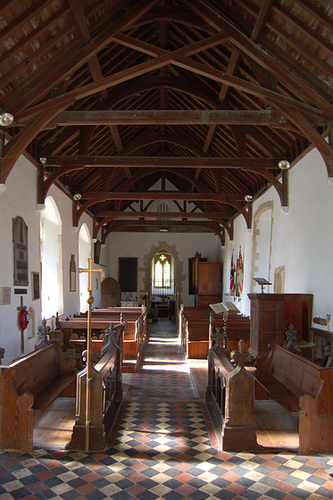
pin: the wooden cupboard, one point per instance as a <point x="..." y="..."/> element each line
<point x="209" y="283"/>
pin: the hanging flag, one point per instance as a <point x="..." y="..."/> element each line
<point x="239" y="273"/>
<point x="232" y="275"/>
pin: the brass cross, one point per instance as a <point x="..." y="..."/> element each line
<point x="90" y="272"/>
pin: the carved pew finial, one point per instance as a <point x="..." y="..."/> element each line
<point x="291" y="336"/>
<point x="109" y="339"/>
<point x="219" y="339"/>
<point x="242" y="355"/>
<point x="43" y="332"/>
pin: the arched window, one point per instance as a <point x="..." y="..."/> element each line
<point x="51" y="259"/>
<point x="163" y="273"/>
<point x="84" y="255"/>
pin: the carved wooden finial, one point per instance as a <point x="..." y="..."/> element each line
<point x="242" y="355"/>
<point x="291" y="336"/>
<point x="43" y="331"/>
<point x="2" y="353"/>
<point x="219" y="338"/>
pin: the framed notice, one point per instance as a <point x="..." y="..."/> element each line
<point x="97" y="252"/>
<point x="20" y="252"/>
<point x="35" y="286"/>
<point x="72" y="274"/>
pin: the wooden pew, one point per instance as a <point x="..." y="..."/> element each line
<point x="30" y="384"/>
<point x="303" y="388"/>
<point x="195" y="326"/>
<point x="230" y="398"/>
<point x="321" y="339"/>
<point x="134" y="335"/>
<point x="106" y="394"/>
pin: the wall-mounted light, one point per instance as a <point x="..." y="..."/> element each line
<point x="42" y="159"/>
<point x="284" y="165"/>
<point x="163" y="229"/>
<point x="248" y="197"/>
<point x="6" y="119"/>
<point x="77" y="196"/>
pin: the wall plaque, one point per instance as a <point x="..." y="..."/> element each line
<point x="20" y="252"/>
<point x="4" y="296"/>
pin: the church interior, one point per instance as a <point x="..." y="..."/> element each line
<point x="166" y="200"/>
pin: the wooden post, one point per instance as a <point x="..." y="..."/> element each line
<point x="90" y="301"/>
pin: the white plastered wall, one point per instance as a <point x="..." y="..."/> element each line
<point x="301" y="238"/>
<point x="19" y="199"/>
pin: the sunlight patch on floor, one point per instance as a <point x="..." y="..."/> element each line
<point x="178" y="368"/>
<point x="158" y="340"/>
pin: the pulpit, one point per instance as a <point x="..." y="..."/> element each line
<point x="266" y="322"/>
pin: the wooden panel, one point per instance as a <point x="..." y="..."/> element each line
<point x="266" y="323"/>
<point x="128" y="274"/>
<point x="297" y="309"/>
<point x="209" y="278"/>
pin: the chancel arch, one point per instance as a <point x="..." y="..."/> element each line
<point x="148" y="262"/>
<point x="51" y="259"/>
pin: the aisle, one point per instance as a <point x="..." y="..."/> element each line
<point x="162" y="450"/>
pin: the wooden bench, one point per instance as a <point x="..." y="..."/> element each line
<point x="106" y="394"/>
<point x="321" y="339"/>
<point x="195" y="326"/>
<point x="134" y="335"/>
<point x="230" y="399"/>
<point x="303" y="388"/>
<point x="30" y="384"/>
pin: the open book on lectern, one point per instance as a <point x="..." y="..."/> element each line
<point x="223" y="307"/>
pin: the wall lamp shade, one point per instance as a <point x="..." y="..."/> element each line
<point x="248" y="197"/>
<point x="77" y="196"/>
<point x="6" y="119"/>
<point x="284" y="165"/>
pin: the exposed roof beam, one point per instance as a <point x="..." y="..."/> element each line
<point x="161" y="161"/>
<point x="38" y="87"/>
<point x="255" y="52"/>
<point x="110" y="214"/>
<point x="162" y="195"/>
<point x="170" y="117"/>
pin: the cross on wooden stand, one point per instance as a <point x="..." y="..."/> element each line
<point x="90" y="301"/>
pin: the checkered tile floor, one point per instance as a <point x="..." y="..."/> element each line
<point x="163" y="449"/>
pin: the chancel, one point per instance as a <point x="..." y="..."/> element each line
<point x="165" y="278"/>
